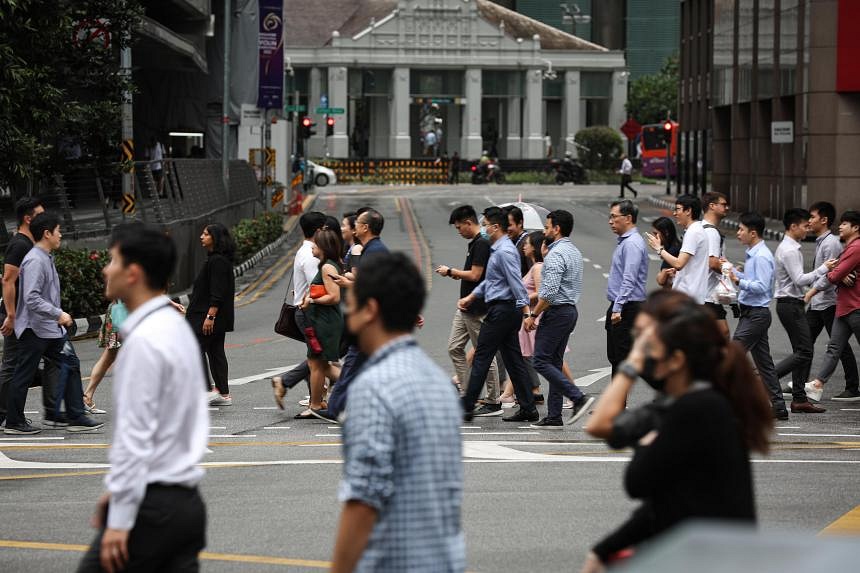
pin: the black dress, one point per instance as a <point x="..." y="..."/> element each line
<point x="697" y="467"/>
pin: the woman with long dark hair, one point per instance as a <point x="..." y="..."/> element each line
<point x="210" y="310"/>
<point x="322" y="309"/>
<point x="665" y="227"/>
<point x="692" y="446"/>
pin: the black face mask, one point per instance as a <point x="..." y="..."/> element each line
<point x="647" y="374"/>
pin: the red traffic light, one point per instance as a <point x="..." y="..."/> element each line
<point x="667" y="126"/>
<point x="306" y="122"/>
<point x="329" y="121"/>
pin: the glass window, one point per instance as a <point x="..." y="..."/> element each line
<point x="724" y="34"/>
<point x="502" y="83"/>
<point x="596" y="112"/>
<point x="554" y="88"/>
<point x="596" y="84"/>
<point x="788" y="46"/>
<point x="369" y="82"/>
<point x="436" y="83"/>
<point x="746" y="24"/>
<point x="766" y="33"/>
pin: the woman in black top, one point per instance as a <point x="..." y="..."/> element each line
<point x="665" y="228"/>
<point x="691" y="447"/>
<point x="210" y="310"/>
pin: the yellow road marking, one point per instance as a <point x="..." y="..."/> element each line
<point x="54" y="475"/>
<point x="205" y="555"/>
<point x="848" y="524"/>
<point x="261" y="278"/>
<point x="269" y="284"/>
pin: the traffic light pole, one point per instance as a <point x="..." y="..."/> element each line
<point x="668" y="163"/>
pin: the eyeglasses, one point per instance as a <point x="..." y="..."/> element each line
<point x="613" y="216"/>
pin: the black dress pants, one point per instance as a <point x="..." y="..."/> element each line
<point x="793" y="319"/>
<point x="619" y="337"/>
<point x="212" y="348"/>
<point x="169" y="533"/>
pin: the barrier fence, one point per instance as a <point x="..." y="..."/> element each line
<point x="396" y="171"/>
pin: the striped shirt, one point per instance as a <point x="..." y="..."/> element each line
<point x="405" y="461"/>
<point x="561" y="275"/>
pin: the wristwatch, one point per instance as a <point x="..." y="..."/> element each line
<point x="660" y="251"/>
<point x="210" y="317"/>
<point x="529" y="315"/>
<point x="628" y="370"/>
<point x="448" y="273"/>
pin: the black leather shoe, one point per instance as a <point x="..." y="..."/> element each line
<point x="523" y="416"/>
<point x="538" y="398"/>
<point x="780" y="414"/>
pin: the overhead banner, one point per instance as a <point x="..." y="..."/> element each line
<point x="271" y="43"/>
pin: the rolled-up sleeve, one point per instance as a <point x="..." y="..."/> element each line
<point x="369" y="463"/>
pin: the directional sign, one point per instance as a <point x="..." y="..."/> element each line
<point x="782" y="132"/>
<point x="277" y="196"/>
<point x="128" y="203"/>
<point x="295" y="108"/>
<point x="330" y="110"/>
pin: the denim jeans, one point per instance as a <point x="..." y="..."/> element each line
<point x="553" y="332"/>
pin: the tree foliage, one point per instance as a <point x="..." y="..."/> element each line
<point x="600" y="147"/>
<point x="650" y="97"/>
<point x="60" y="81"/>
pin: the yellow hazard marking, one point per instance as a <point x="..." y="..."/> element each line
<point x="848" y="524"/>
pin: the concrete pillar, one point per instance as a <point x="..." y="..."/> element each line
<point x="316" y="143"/>
<point x="617" y="114"/>
<point x="399" y="146"/>
<point x="533" y="115"/>
<point x="572" y="118"/>
<point x="513" y="138"/>
<point x="470" y="146"/>
<point x="338" y="144"/>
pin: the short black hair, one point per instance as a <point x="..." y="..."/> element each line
<point x="222" y="241"/>
<point x="463" y="213"/>
<point x="42" y="222"/>
<point x="753" y="221"/>
<point x="516" y="213"/>
<point x="690" y="203"/>
<point x="561" y="219"/>
<point x="851" y="217"/>
<point x="148" y="247"/>
<point x="626" y="207"/>
<point x="311" y="222"/>
<point x="824" y="209"/>
<point x="794" y="216"/>
<point x="375" y="221"/>
<point x="496" y="216"/>
<point x="394" y="282"/>
<point x="361" y="210"/>
<point x="25" y="206"/>
<point x="350" y="217"/>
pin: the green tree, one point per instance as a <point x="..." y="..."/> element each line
<point x="600" y="147"/>
<point x="650" y="97"/>
<point x="60" y="82"/>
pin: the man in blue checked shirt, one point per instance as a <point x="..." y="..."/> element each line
<point x="402" y="485"/>
<point x="507" y="304"/>
<point x="628" y="277"/>
<point x="560" y="289"/>
<point x="755" y="291"/>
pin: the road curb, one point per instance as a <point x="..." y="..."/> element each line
<point x="730" y="222"/>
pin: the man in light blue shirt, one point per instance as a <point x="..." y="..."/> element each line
<point x="628" y="277"/>
<point x="507" y="304"/>
<point x="755" y="291"/>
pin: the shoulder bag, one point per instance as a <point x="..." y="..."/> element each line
<point x="286" y="323"/>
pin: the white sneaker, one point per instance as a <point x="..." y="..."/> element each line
<point x="306" y="402"/>
<point x="814" y="393"/>
<point x="567" y="405"/>
<point x="220" y="400"/>
<point x="211" y="395"/>
<point x="93" y="410"/>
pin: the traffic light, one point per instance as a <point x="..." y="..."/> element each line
<point x="308" y="128"/>
<point x="667" y="132"/>
<point x="329" y="126"/>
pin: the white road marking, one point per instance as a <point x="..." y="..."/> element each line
<point x="606" y="275"/>
<point x="31" y="411"/>
<point x="470" y="428"/>
<point x="276" y="427"/>
<point x="499" y="433"/>
<point x="232" y="435"/>
<point x="329" y="435"/>
<point x="602" y="318"/>
<point x="823" y="435"/>
<point x="849" y="409"/>
<point x="333" y="427"/>
<point x="9" y="464"/>
<point x="254" y="377"/>
<point x="585" y="260"/>
<point x="596" y="266"/>
<point x="214" y="409"/>
<point x="592" y="378"/>
<point x="217" y="427"/>
<point x="490" y="200"/>
<point x="265" y="408"/>
<point x="786" y="427"/>
<point x="27" y="438"/>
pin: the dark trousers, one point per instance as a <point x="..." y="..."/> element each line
<point x="30" y="351"/>
<point x="352" y="361"/>
<point x="301" y="371"/>
<point x="212" y="348"/>
<point x="823" y="319"/>
<point x="752" y="334"/>
<point x="551" y="338"/>
<point x="46" y="378"/>
<point x="799" y="362"/>
<point x="499" y="333"/>
<point x="619" y="337"/>
<point x="625" y="183"/>
<point x="169" y="532"/>
<point x="843" y="328"/>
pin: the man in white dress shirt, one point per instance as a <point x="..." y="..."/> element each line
<point x="152" y="517"/>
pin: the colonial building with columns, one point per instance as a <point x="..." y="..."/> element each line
<point x="479" y="76"/>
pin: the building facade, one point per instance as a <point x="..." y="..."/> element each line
<point x="771" y="87"/>
<point x="475" y="74"/>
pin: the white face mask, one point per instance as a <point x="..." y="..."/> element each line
<point x="484" y="233"/>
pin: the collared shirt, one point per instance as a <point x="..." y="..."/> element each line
<point x="305" y="268"/>
<point x="790" y="278"/>
<point x="39" y="300"/>
<point x="162" y="424"/>
<point x="693" y="278"/>
<point x="827" y="246"/>
<point x="503" y="280"/>
<point x="628" y="274"/>
<point x="373" y="246"/>
<point x="405" y="464"/>
<point x="626" y="167"/>
<point x="756" y="282"/>
<point x="561" y="274"/>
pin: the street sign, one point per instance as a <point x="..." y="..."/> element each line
<point x="330" y="110"/>
<point x="128" y="203"/>
<point x="277" y="196"/>
<point x="323" y="100"/>
<point x="288" y="108"/>
<point x="782" y="132"/>
<point x="631" y="129"/>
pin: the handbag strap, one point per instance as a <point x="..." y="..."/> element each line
<point x="290" y="284"/>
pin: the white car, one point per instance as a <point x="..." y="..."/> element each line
<point x="320" y="175"/>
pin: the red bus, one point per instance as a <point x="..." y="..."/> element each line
<point x="652" y="150"/>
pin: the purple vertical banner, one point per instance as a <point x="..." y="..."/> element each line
<point x="271" y="43"/>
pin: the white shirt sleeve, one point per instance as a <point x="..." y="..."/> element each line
<point x="691" y="239"/>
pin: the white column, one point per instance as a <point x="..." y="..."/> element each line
<point x="617" y="115"/>
<point x="399" y="146"/>
<point x="533" y="115"/>
<point x="470" y="146"/>
<point x="338" y="144"/>
<point x="314" y="146"/>
<point x="572" y="119"/>
<point x="513" y="138"/>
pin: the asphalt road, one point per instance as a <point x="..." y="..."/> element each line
<point x="534" y="500"/>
